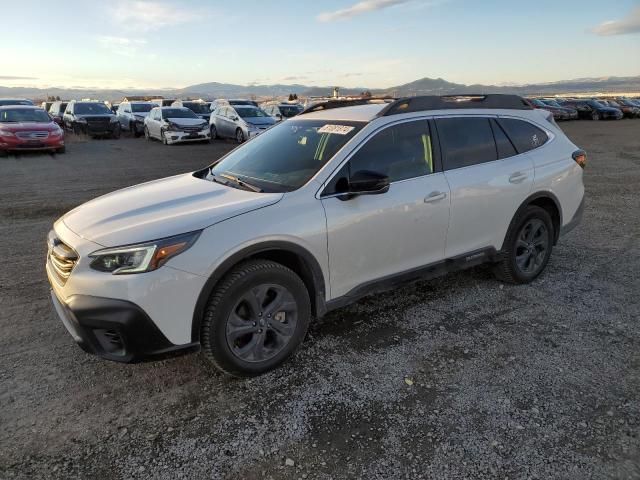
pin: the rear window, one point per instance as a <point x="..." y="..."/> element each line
<point x="466" y="141"/>
<point x="524" y="135"/>
<point x="503" y="144"/>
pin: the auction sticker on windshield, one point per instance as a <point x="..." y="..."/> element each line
<point x="337" y="129"/>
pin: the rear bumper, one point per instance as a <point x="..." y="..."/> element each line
<point x="115" y="330"/>
<point x="575" y="221"/>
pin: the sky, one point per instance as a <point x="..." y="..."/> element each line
<point x="349" y="43"/>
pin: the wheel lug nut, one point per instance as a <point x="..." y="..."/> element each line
<point x="254" y="324"/>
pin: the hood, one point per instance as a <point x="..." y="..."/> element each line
<point x="259" y="120"/>
<point x="141" y="114"/>
<point x="186" y="121"/>
<point x="162" y="208"/>
<point x="29" y="126"/>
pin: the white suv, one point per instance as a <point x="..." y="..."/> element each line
<point x="313" y="214"/>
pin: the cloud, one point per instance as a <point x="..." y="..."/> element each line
<point x="293" y="78"/>
<point x="148" y="15"/>
<point x="358" y="9"/>
<point x="629" y="24"/>
<point x="127" y="47"/>
<point x="10" y="77"/>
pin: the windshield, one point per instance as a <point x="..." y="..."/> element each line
<point x="596" y="104"/>
<point x="197" y="107"/>
<point x="285" y="157"/>
<point x="141" y="107"/>
<point x="538" y="103"/>
<point x="24" y="115"/>
<point x="250" y="112"/>
<point x="15" y="102"/>
<point x="178" y="113"/>
<point x="289" y="111"/>
<point x="91" y="109"/>
<point x="553" y="103"/>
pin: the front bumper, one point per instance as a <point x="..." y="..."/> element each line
<point x="115" y="330"/>
<point x="45" y="144"/>
<point x="180" y="137"/>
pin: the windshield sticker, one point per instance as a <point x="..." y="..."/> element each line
<point x="337" y="129"/>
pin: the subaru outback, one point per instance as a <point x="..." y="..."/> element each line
<point x="346" y="199"/>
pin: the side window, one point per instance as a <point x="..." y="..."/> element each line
<point x="466" y="141"/>
<point x="400" y="152"/>
<point x="524" y="135"/>
<point x="503" y="144"/>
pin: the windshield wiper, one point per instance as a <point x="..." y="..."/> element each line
<point x="242" y="183"/>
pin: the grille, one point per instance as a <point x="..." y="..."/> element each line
<point x="32" y="135"/>
<point x="61" y="257"/>
<point x="189" y="128"/>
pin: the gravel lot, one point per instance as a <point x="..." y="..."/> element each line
<point x="460" y="377"/>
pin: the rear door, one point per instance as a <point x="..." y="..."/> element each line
<point x="372" y="237"/>
<point x="488" y="180"/>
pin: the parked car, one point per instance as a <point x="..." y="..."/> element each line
<point x="201" y="109"/>
<point x="175" y="125"/>
<point x="46" y="106"/>
<point x="14" y="101"/>
<point x="281" y="110"/>
<point x="240" y="122"/>
<point x="91" y="118"/>
<point x="594" y="110"/>
<point x="25" y="127"/>
<point x="131" y="116"/>
<point x="163" y="102"/>
<point x="558" y="113"/>
<point x="57" y="111"/>
<point x="238" y="258"/>
<point x="572" y="113"/>
<point x="629" y="111"/>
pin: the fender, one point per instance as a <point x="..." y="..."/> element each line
<point x="532" y="198"/>
<point x="309" y="262"/>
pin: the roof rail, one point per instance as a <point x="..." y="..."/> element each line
<point x="448" y="102"/>
<point x="338" y="103"/>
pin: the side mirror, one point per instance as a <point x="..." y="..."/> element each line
<point x="279" y="116"/>
<point x="234" y="118"/>
<point x="366" y="182"/>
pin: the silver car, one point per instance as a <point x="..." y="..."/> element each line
<point x="175" y="125"/>
<point x="241" y="122"/>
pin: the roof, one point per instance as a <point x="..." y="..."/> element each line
<point x="358" y="113"/>
<point x="34" y="107"/>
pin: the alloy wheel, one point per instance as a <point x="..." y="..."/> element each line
<point x="261" y="323"/>
<point x="531" y="246"/>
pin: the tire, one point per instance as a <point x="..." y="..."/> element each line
<point x="116" y="132"/>
<point x="4" y="153"/>
<point x="214" y="132"/>
<point x="61" y="150"/>
<point x="147" y="137"/>
<point x="242" y="342"/>
<point x="133" y="130"/>
<point x="77" y="130"/>
<point x="595" y="116"/>
<point x="527" y="247"/>
<point x="239" y="135"/>
<point x="163" y="137"/>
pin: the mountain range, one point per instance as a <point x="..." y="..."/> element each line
<point x="424" y="86"/>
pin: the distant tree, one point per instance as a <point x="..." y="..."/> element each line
<point x="366" y="94"/>
<point x="291" y="97"/>
<point x="58" y="98"/>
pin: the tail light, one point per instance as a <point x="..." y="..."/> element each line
<point x="580" y="157"/>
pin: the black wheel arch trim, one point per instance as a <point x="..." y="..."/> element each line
<point x="317" y="291"/>
<point x="543" y="194"/>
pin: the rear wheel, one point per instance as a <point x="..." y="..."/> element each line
<point x="527" y="247"/>
<point x="256" y="318"/>
<point x="239" y="135"/>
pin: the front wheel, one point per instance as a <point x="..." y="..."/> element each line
<point x="147" y="136"/>
<point x="595" y="116"/>
<point x="61" y="150"/>
<point x="214" y="132"/>
<point x="256" y="318"/>
<point x="115" y="134"/>
<point x="163" y="136"/>
<point x="527" y="247"/>
<point x="239" y="136"/>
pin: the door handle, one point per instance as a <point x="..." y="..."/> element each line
<point x="435" y="197"/>
<point x="518" y="177"/>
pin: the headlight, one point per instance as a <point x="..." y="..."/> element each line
<point x="204" y="126"/>
<point x="6" y="133"/>
<point x="143" y="257"/>
<point x="81" y="120"/>
<point x="113" y="119"/>
<point x="172" y="127"/>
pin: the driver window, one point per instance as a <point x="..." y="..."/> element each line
<point x="402" y="151"/>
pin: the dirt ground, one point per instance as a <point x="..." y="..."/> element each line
<point x="461" y="377"/>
